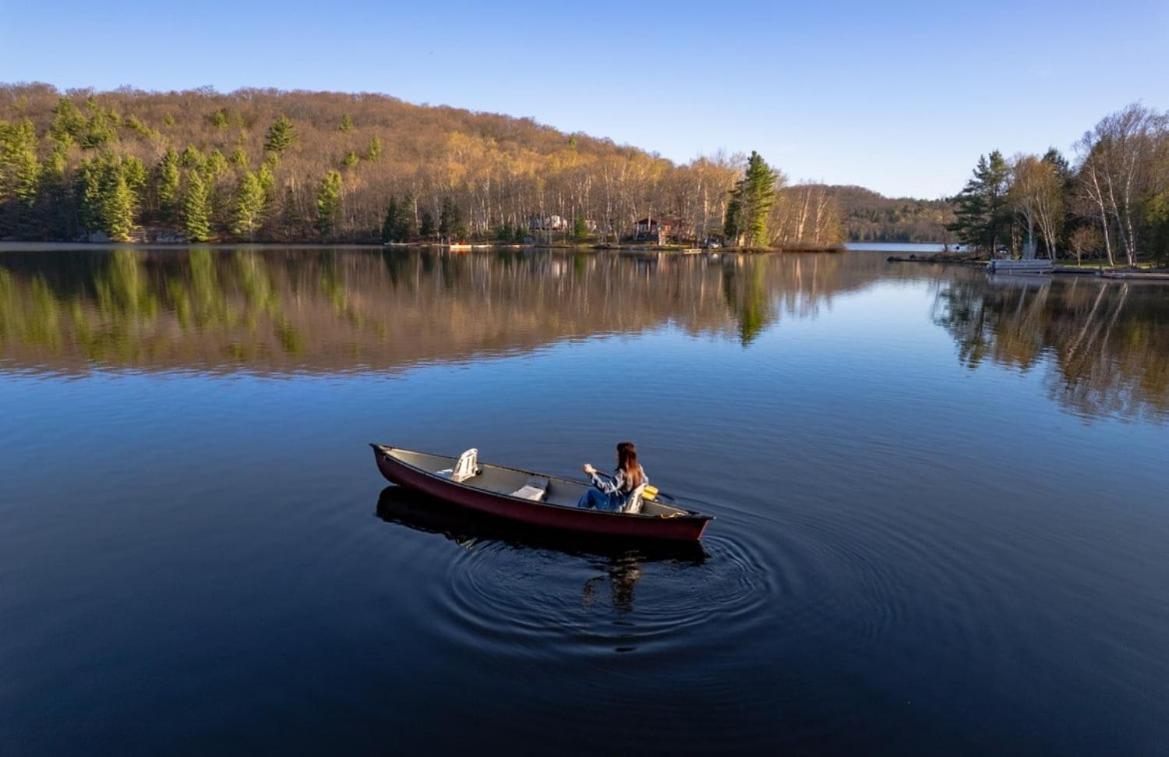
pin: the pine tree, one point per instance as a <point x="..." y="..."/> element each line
<point x="731" y="224"/>
<point x="268" y="184"/>
<point x="750" y="204"/>
<point x="20" y="171"/>
<point x="450" y="221"/>
<point x="980" y="209"/>
<point x="328" y="203"/>
<point x="56" y="216"/>
<point x="192" y="158"/>
<point x="134" y="171"/>
<point x="399" y="223"/>
<point x="346" y="122"/>
<point x="248" y="206"/>
<point x="280" y="137"/>
<point x="407" y="226"/>
<point x="100" y="127"/>
<point x="390" y="225"/>
<point x="375" y="148"/>
<point x="89" y="194"/>
<point x="118" y="205"/>
<point x="215" y="166"/>
<point x="426" y="226"/>
<point x="197" y="208"/>
<point x="167" y="179"/>
<point x="68" y="122"/>
<point x="108" y="190"/>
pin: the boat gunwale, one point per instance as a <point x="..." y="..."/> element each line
<point x="687" y="515"/>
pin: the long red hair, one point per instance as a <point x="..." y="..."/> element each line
<point x="627" y="462"/>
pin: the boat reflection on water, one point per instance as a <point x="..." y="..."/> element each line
<point x="620" y="562"/>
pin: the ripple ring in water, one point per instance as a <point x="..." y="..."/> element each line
<point x="517" y="600"/>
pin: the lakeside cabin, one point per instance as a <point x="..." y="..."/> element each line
<point x="658" y="230"/>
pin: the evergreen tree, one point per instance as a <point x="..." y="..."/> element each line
<point x="375" y="148"/>
<point x="426" y="226"/>
<point x="20" y="170"/>
<point x="197" y="208"/>
<point x="450" y="221"/>
<point x="350" y="159"/>
<point x="390" y="225"/>
<point x="731" y="229"/>
<point x="981" y="214"/>
<point x="220" y="119"/>
<point x="399" y="222"/>
<point x="100" y="127"/>
<point x="107" y="188"/>
<point x="580" y="229"/>
<point x="248" y="206"/>
<point x="89" y="194"/>
<point x="192" y="158"/>
<point x="167" y="179"/>
<point x="68" y="122"/>
<point x="268" y="184"/>
<point x="750" y="204"/>
<point x="56" y="211"/>
<point x="328" y="203"/>
<point x="280" y="136"/>
<point x="134" y="171"/>
<point x="215" y="166"/>
<point x="118" y="204"/>
<point x="346" y="122"/>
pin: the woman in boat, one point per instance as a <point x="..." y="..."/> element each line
<point x="614" y="493"/>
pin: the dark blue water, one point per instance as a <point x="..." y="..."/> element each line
<point x="940" y="500"/>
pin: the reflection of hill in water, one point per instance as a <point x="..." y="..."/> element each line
<point x="280" y="310"/>
<point x="1106" y="343"/>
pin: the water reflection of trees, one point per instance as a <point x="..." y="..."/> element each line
<point x="278" y="309"/>
<point x="1105" y="344"/>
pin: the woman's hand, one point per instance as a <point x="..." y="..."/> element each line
<point x="589" y="469"/>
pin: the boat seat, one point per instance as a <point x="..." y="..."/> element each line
<point x="634" y="503"/>
<point x="467" y="467"/>
<point x="534" y="489"/>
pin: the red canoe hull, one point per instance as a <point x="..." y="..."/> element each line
<point x="687" y="528"/>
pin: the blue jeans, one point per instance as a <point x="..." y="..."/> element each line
<point x="595" y="499"/>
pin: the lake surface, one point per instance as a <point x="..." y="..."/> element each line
<point x="942" y="522"/>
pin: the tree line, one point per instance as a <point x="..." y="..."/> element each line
<point x="269" y="165"/>
<point x="1111" y="202"/>
<point x="871" y="217"/>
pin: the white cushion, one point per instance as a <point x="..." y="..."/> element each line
<point x="534" y="489"/>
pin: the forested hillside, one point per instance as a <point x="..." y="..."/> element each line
<point x="272" y="165"/>
<point x="871" y="217"/>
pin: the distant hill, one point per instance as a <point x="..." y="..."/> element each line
<point x="871" y="217"/>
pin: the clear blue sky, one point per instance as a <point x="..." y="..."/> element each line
<point x="898" y="96"/>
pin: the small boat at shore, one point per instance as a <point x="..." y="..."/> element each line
<point x="532" y="499"/>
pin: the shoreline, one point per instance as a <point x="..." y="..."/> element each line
<point x="1101" y="271"/>
<point x="39" y="246"/>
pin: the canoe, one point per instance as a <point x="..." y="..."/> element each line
<point x="494" y="490"/>
<point x="468" y="528"/>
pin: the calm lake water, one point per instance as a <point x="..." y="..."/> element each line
<point x="942" y="522"/>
